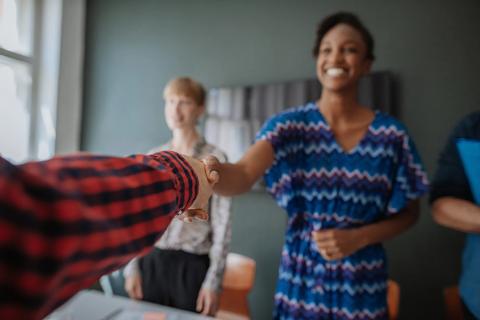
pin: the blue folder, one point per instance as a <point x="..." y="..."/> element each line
<point x="470" y="153"/>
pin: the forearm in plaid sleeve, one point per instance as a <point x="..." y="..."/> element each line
<point x="66" y="221"/>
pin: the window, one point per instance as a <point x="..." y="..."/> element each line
<point x="41" y="42"/>
<point x="16" y="69"/>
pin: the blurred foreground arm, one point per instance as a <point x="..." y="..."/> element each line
<point x="65" y="222"/>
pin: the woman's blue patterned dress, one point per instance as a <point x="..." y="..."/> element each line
<point x="321" y="186"/>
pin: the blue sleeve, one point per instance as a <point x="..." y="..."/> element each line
<point x="274" y="130"/>
<point x="410" y="180"/>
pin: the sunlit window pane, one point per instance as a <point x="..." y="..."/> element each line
<point x="16" y="25"/>
<point x="15" y="84"/>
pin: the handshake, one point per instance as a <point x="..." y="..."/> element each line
<point x="207" y="171"/>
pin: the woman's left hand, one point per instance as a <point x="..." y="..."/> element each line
<point x="207" y="302"/>
<point x="334" y="244"/>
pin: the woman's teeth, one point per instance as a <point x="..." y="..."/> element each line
<point x="335" y="72"/>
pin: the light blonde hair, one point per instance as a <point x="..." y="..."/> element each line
<point x="188" y="87"/>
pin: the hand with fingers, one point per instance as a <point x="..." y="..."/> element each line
<point x="334" y="244"/>
<point x="211" y="163"/>
<point x="207" y="178"/>
<point x="133" y="286"/>
<point x="207" y="302"/>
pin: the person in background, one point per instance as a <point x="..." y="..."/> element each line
<point x="453" y="206"/>
<point x="66" y="221"/>
<point x="198" y="249"/>
<point x="348" y="177"/>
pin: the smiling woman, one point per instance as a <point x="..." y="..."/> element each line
<point x="348" y="177"/>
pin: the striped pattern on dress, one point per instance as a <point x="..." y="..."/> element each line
<point x="321" y="186"/>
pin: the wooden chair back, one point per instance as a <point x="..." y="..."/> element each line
<point x="238" y="280"/>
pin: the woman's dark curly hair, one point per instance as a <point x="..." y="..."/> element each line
<point x="346" y="18"/>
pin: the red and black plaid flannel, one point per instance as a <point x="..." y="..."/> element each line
<point x="66" y="221"/>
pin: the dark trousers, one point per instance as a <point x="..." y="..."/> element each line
<point x="172" y="277"/>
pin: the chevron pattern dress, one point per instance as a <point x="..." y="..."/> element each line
<point x="321" y="186"/>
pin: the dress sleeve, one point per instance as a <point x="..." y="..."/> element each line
<point x="220" y="213"/>
<point x="410" y="180"/>
<point x="273" y="131"/>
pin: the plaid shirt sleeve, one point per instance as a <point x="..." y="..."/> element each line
<point x="66" y="221"/>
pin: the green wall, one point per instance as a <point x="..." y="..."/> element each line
<point x="432" y="47"/>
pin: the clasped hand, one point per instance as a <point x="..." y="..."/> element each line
<point x="207" y="178"/>
<point x="334" y="244"/>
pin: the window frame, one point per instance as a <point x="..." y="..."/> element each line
<point x="56" y="68"/>
<point x="27" y="60"/>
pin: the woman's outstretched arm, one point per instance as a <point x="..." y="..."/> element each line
<point x="237" y="178"/>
